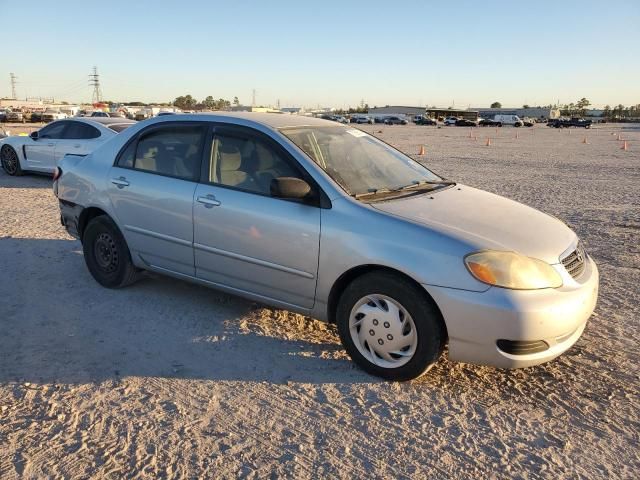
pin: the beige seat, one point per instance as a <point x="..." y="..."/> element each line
<point x="229" y="161"/>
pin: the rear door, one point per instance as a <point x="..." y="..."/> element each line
<point x="244" y="238"/>
<point x="40" y="153"/>
<point x="78" y="138"/>
<point x="151" y="187"/>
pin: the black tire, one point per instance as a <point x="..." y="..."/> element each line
<point x="10" y="161"/>
<point x="430" y="328"/>
<point x="107" y="255"/>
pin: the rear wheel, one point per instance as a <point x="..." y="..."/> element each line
<point x="389" y="326"/>
<point x="10" y="161"/>
<point x="107" y="255"/>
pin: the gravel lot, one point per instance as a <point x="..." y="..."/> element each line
<point x="168" y="380"/>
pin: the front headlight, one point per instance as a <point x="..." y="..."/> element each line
<point x="511" y="270"/>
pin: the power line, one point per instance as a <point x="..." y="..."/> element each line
<point x="94" y="81"/>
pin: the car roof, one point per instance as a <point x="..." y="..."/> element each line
<point x="104" y="121"/>
<point x="270" y="120"/>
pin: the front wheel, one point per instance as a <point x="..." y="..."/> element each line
<point x="107" y="255"/>
<point x="10" y="161"/>
<point x="390" y="327"/>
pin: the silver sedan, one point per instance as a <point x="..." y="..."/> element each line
<point x="328" y="221"/>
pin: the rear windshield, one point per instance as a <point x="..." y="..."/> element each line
<point x="118" y="127"/>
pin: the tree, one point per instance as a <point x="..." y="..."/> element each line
<point x="209" y="103"/>
<point x="236" y="102"/>
<point x="582" y="105"/>
<point x="186" y="102"/>
<point x="525" y="106"/>
<point x="496" y="105"/>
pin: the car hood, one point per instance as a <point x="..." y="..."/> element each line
<point x="486" y="221"/>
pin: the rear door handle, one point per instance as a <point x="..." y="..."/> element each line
<point x="208" y="201"/>
<point x="77" y="145"/>
<point x="120" y="182"/>
<point x="51" y="144"/>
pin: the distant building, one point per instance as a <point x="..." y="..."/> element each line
<point x="534" y="112"/>
<point x="397" y="110"/>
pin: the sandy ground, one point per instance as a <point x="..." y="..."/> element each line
<point x="170" y="380"/>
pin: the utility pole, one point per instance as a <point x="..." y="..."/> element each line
<point x="94" y="81"/>
<point x="253" y="98"/>
<point x="13" y="85"/>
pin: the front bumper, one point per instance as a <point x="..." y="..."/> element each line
<point x="477" y="320"/>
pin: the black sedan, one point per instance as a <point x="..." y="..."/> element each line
<point x="463" y="122"/>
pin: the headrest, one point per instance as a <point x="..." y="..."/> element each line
<point x="230" y="158"/>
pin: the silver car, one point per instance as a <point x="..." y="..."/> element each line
<point x="325" y="220"/>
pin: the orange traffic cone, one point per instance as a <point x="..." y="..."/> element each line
<point x="585" y="141"/>
<point x="422" y="150"/>
<point x="624" y="146"/>
<point x="488" y="144"/>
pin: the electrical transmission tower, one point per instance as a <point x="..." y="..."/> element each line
<point x="94" y="81"/>
<point x="13" y="85"/>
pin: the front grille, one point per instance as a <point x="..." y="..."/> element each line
<point x="575" y="262"/>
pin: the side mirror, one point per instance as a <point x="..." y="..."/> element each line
<point x="34" y="135"/>
<point x="289" y="187"/>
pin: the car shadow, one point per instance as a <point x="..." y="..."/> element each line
<point x="28" y="180"/>
<point x="60" y="326"/>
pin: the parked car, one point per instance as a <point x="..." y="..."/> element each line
<point x="361" y="119"/>
<point x="508" y="120"/>
<point x="15" y="116"/>
<point x="143" y="114"/>
<point x="99" y="113"/>
<point x="393" y="120"/>
<point x="50" y="115"/>
<point x="426" y="121"/>
<point x="277" y="209"/>
<point x="36" y="117"/>
<point x="573" y="122"/>
<point x="528" y="122"/>
<point x="3" y="115"/>
<point x="488" y="122"/>
<point x="463" y="122"/>
<point x="40" y="151"/>
<point x="378" y="119"/>
<point x="450" y="120"/>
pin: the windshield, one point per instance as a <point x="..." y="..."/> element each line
<point x="357" y="161"/>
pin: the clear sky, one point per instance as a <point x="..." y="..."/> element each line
<point x="330" y="53"/>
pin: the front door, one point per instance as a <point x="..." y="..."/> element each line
<point x="151" y="188"/>
<point x="40" y="153"/>
<point x="245" y="239"/>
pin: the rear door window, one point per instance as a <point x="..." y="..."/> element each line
<point x="173" y="150"/>
<point x="80" y="131"/>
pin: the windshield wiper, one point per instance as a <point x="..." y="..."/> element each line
<point x="422" y="183"/>
<point x="371" y="192"/>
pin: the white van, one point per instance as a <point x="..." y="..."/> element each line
<point x="508" y="120"/>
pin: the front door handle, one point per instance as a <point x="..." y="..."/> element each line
<point x="120" y="182"/>
<point x="51" y="144"/>
<point x="77" y="145"/>
<point x="208" y="201"/>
